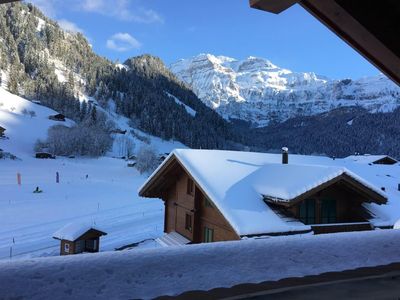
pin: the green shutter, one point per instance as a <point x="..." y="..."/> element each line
<point x="328" y="211"/>
<point x="307" y="211"/>
<point x="208" y="235"/>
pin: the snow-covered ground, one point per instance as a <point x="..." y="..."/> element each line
<point x="107" y="198"/>
<point x="170" y="271"/>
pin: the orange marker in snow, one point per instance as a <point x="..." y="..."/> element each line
<point x="19" y="179"/>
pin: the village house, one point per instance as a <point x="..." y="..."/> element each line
<point x="78" y="238"/>
<point x="373" y="159"/>
<point x="57" y="117"/>
<point x="213" y="195"/>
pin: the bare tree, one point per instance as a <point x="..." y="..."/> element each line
<point x="146" y="160"/>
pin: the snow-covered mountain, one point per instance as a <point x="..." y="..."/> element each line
<point x="254" y="89"/>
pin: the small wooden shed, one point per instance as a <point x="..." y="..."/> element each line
<point x="79" y="238"/>
<point x="57" y="117"/>
<point x="2" y="129"/>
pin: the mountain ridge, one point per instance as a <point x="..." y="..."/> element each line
<point x="256" y="90"/>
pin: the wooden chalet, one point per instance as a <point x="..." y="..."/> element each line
<point x="213" y="195"/>
<point x="78" y="238"/>
<point x="373" y="159"/>
<point x="2" y="130"/>
<point x="44" y="155"/>
<point x="57" y="117"/>
<point x="371" y="27"/>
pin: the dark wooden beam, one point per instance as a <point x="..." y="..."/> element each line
<point x="272" y="6"/>
<point x="356" y="35"/>
<point x="362" y="34"/>
<point x="8" y="1"/>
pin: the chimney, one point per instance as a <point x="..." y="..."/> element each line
<point x="285" y="155"/>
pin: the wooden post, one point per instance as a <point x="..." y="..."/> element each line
<point x="19" y="181"/>
<point x="57" y="177"/>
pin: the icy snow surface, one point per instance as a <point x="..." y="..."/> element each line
<point x="171" y="271"/>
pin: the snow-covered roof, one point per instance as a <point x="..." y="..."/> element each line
<point x="282" y="182"/>
<point x="237" y="181"/>
<point x="367" y="158"/>
<point x="73" y="231"/>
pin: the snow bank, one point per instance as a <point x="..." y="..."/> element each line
<point x="173" y="270"/>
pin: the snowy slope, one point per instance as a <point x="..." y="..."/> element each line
<point x="23" y="130"/>
<point x="254" y="89"/>
<point x="107" y="198"/>
<point x="172" y="271"/>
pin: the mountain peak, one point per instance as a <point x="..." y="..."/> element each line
<point x="256" y="90"/>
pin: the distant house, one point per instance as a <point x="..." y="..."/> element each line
<point x="78" y="238"/>
<point x="212" y="195"/>
<point x="372" y="159"/>
<point x="2" y="130"/>
<point x="118" y="131"/>
<point x="57" y="117"/>
<point x="44" y="155"/>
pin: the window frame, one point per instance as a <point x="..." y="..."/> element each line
<point x="328" y="211"/>
<point x="208" y="235"/>
<point x="188" y="222"/>
<point x="190" y="186"/>
<point x="207" y="203"/>
<point x="309" y="205"/>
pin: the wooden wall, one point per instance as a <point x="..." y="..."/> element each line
<point x="348" y="203"/>
<point x="178" y="203"/>
<point x="71" y="247"/>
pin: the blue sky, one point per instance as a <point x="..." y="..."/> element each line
<point x="174" y="29"/>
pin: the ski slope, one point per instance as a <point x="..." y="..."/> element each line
<point x="107" y="197"/>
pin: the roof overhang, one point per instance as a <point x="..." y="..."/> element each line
<point x="162" y="177"/>
<point x="96" y="231"/>
<point x="370" y="195"/>
<point x="8" y="1"/>
<point x="371" y="27"/>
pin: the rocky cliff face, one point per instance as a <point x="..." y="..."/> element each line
<point x="256" y="90"/>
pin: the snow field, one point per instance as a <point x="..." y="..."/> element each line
<point x="107" y="199"/>
<point x="171" y="271"/>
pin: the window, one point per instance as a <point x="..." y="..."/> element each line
<point x="190" y="186"/>
<point x="91" y="245"/>
<point x="66" y="248"/>
<point x="79" y="246"/>
<point x="207" y="203"/>
<point x="328" y="211"/>
<point x="307" y="211"/>
<point x="188" y="222"/>
<point x="208" y="235"/>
